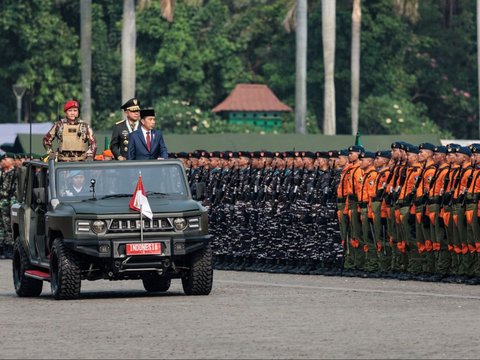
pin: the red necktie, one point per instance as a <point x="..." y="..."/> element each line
<point x="148" y="141"/>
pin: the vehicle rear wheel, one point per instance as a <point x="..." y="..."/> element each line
<point x="24" y="285"/>
<point x="199" y="278"/>
<point x="64" y="271"/>
<point x="156" y="283"/>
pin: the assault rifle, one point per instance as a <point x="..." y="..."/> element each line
<point x="403" y="177"/>
<point x="312" y="189"/>
<point x="328" y="189"/>
<point x="423" y="199"/>
<point x="395" y="173"/>
<point x="381" y="193"/>
<point x="446" y="181"/>
<point x="410" y="197"/>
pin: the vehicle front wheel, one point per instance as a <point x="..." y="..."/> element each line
<point x="24" y="285"/>
<point x="199" y="278"/>
<point x="65" y="272"/>
<point x="156" y="283"/>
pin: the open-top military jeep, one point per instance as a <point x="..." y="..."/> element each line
<point x="65" y="235"/>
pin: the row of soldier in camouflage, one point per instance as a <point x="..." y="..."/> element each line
<point x="270" y="211"/>
<point x="9" y="163"/>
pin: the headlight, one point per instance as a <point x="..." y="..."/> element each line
<point x="179" y="224"/>
<point x="99" y="226"/>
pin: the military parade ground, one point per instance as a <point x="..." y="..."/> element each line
<point x="247" y="315"/>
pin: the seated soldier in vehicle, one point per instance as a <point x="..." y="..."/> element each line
<point x="76" y="185"/>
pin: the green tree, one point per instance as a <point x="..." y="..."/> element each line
<point x="41" y="52"/>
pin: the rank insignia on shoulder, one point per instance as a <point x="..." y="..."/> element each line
<point x="119" y="122"/>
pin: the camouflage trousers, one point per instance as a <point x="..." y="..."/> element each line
<point x="6" y="236"/>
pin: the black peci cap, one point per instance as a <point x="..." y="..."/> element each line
<point x="147" y="112"/>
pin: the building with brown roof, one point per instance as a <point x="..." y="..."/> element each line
<point x="253" y="104"/>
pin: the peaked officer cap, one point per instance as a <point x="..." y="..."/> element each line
<point x="133" y="105"/>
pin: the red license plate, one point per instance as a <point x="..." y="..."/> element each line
<point x="144" y="249"/>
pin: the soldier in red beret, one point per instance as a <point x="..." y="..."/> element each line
<point x="75" y="137"/>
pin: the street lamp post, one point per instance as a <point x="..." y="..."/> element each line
<point x="19" y="90"/>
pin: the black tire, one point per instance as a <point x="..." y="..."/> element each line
<point x="156" y="283"/>
<point x="199" y="278"/>
<point x="24" y="285"/>
<point x="65" y="272"/>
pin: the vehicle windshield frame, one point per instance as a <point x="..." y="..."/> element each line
<point x="160" y="180"/>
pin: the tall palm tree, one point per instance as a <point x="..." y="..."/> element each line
<point x="86" y="58"/>
<point x="129" y="38"/>
<point x="296" y="19"/>
<point x="328" y="37"/>
<point x="301" y="35"/>
<point x="355" y="65"/>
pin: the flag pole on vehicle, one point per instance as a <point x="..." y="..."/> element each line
<point x="139" y="202"/>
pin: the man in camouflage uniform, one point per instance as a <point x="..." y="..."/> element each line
<point x="75" y="137"/>
<point x="7" y="198"/>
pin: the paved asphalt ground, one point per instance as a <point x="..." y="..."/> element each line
<point x="247" y="315"/>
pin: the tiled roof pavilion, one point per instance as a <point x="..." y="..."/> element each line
<point x="251" y="97"/>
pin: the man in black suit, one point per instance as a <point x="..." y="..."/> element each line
<point x="119" y="140"/>
<point x="146" y="142"/>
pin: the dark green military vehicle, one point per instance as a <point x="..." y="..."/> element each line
<point x="68" y="229"/>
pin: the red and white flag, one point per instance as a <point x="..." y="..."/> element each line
<point x="139" y="201"/>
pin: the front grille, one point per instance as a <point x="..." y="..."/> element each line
<point x="133" y="225"/>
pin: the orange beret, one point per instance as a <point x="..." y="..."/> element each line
<point x="107" y="152"/>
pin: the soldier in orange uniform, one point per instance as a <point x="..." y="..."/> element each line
<point x="366" y="192"/>
<point x="399" y="168"/>
<point x="341" y="201"/>
<point x="422" y="221"/>
<point x="352" y="181"/>
<point x="472" y="216"/>
<point x="408" y="243"/>
<point x="461" y="263"/>
<point x="380" y="210"/>
<point x="435" y="195"/>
